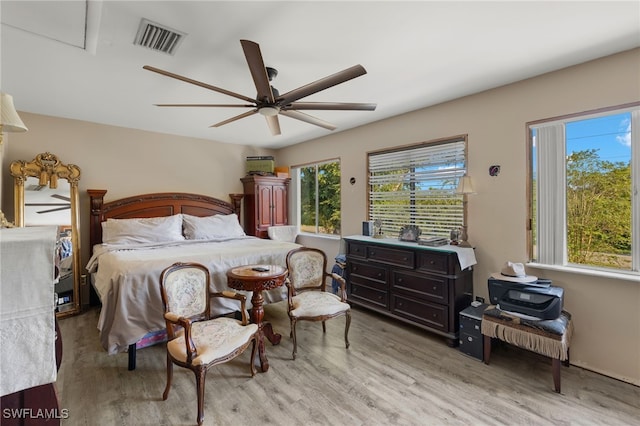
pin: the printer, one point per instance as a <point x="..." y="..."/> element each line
<point x="537" y="299"/>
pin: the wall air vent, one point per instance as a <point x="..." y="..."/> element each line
<point x="157" y="37"/>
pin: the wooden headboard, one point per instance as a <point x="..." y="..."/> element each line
<point x="154" y="205"/>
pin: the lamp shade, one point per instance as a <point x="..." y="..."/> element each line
<point x="9" y="119"/>
<point x="465" y="186"/>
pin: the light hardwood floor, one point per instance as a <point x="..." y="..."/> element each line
<point x="392" y="374"/>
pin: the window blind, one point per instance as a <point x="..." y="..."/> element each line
<point x="417" y="186"/>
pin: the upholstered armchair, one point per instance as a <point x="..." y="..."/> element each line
<point x="307" y="297"/>
<point x="197" y="341"/>
<point x="283" y="233"/>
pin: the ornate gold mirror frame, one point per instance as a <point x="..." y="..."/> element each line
<point x="48" y="169"/>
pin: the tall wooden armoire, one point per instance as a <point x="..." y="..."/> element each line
<point x="266" y="203"/>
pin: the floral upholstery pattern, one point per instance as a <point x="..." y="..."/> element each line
<point x="215" y="339"/>
<point x="306" y="269"/>
<point x="317" y="303"/>
<point x="187" y="292"/>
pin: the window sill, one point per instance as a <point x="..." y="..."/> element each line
<point x="325" y="236"/>
<point x="630" y="276"/>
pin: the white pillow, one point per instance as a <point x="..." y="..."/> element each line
<point x="143" y="230"/>
<point x="212" y="227"/>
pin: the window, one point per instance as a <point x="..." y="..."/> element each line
<point x="585" y="174"/>
<point x="319" y="197"/>
<point x="416" y="185"/>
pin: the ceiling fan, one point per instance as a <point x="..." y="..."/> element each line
<point x="268" y="101"/>
<point x="65" y="206"/>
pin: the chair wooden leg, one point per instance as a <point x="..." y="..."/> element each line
<point x="201" y="374"/>
<point x="165" y="395"/>
<point x="324" y="327"/>
<point x="555" y="369"/>
<point x="346" y="329"/>
<point x="293" y="337"/>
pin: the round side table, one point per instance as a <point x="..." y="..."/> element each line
<point x="258" y="278"/>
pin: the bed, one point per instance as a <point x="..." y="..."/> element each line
<point x="133" y="239"/>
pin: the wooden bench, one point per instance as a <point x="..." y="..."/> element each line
<point x="550" y="338"/>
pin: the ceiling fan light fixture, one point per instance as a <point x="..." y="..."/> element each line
<point x="269" y="111"/>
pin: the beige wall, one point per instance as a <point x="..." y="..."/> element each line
<point x="126" y="162"/>
<point x="606" y="311"/>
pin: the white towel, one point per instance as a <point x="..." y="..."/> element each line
<point x="27" y="318"/>
<point x="466" y="256"/>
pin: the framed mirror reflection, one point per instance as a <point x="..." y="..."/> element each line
<point x="45" y="194"/>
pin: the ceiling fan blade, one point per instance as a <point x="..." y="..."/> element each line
<point x="258" y="70"/>
<point x="322" y="84"/>
<point x="329" y="106"/>
<point x="61" y="197"/>
<point x="54" y="210"/>
<point x="198" y="83"/>
<point x="307" y="119"/>
<point x="237" y="117"/>
<point x="207" y="105"/>
<point x="274" y="124"/>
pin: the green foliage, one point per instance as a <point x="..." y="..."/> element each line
<point x="598" y="210"/>
<point x="326" y="217"/>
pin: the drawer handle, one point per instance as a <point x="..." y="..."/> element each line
<point x="431" y="262"/>
<point x="379" y="274"/>
<point x="435" y="315"/>
<point x="399" y="280"/>
<point x="373" y="253"/>
<point x="405" y="258"/>
<point x="435" y="287"/>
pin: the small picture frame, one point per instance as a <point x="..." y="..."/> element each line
<point x="410" y="233"/>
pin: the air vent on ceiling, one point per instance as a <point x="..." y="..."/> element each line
<point x="157" y="37"/>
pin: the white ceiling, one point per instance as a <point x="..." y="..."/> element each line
<point x="76" y="59"/>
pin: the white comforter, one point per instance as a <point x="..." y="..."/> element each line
<point x="127" y="281"/>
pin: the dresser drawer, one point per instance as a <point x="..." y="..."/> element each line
<point x="368" y="271"/>
<point x="360" y="280"/>
<point x="357" y="249"/>
<point x="427" y="287"/>
<point x="435" y="262"/>
<point x="391" y="256"/>
<point x="430" y="314"/>
<point x="369" y="296"/>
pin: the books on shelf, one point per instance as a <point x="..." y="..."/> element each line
<point x="433" y="241"/>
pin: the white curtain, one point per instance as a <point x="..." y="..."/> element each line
<point x="551" y="171"/>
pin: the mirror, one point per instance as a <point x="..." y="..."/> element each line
<point x="46" y="193"/>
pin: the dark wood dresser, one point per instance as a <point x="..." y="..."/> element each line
<point x="420" y="285"/>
